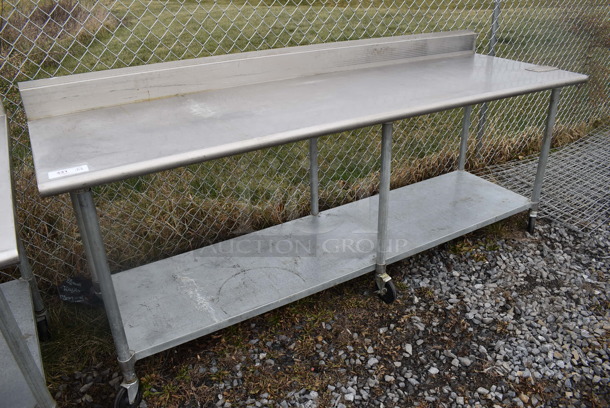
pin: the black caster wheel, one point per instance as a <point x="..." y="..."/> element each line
<point x="122" y="400"/>
<point x="390" y="293"/>
<point x="43" y="330"/>
<point x="531" y="225"/>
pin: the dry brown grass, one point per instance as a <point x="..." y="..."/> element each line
<point x="162" y="220"/>
<point x="139" y="225"/>
<point x="595" y="31"/>
<point x="47" y="27"/>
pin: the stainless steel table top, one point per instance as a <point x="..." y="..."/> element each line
<point x="98" y="146"/>
<point x="8" y="240"/>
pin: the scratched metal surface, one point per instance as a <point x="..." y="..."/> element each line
<point x="103" y="145"/>
<point x="94" y="90"/>
<point x="14" y="391"/>
<point x="8" y="240"/>
<point x="175" y="300"/>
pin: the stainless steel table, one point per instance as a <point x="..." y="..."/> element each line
<point x="97" y="128"/>
<point x="22" y="382"/>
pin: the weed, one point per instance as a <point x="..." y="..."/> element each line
<point x="601" y="307"/>
<point x="401" y="286"/>
<point x="425" y="293"/>
<point x="479" y="257"/>
<point x="462" y="247"/>
<point x="491" y="246"/>
<point x="501" y="326"/>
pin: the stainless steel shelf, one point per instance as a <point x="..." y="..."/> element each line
<point x="166" y="303"/>
<point x="14" y="390"/>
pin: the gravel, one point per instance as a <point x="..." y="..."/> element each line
<point x="537" y="309"/>
<point x="517" y="321"/>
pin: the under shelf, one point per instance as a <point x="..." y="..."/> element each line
<point x="169" y="302"/>
<point x="15" y="391"/>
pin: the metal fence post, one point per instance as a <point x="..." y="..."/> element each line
<point x="493" y="39"/>
<point x="495" y="25"/>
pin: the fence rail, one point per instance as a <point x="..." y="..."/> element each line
<point x="152" y="217"/>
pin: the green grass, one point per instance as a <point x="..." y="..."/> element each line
<point x="156" y="216"/>
<point x="192" y="30"/>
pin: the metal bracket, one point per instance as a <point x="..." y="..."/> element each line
<point x="380" y="281"/>
<point x="128" y="366"/>
<point x="132" y="390"/>
<point x="130" y="381"/>
<point x="42" y="315"/>
<point x="130" y="361"/>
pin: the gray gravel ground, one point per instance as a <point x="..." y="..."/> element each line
<point x="518" y="321"/>
<point x="538" y="312"/>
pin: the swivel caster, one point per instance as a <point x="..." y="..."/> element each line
<point x="385" y="287"/>
<point x="531" y="225"/>
<point x="122" y="399"/>
<point x="388" y="293"/>
<point x="43" y="329"/>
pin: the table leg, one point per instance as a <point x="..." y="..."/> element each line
<point x="313" y="176"/>
<point x="464" y="137"/>
<point x="385" y="287"/>
<point x="86" y="246"/>
<point x="42" y="319"/>
<point x="97" y="260"/>
<point x="544" y="155"/>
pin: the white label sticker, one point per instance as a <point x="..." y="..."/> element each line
<point x="68" y="172"/>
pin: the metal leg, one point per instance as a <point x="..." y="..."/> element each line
<point x="313" y="175"/>
<point x="42" y="319"/>
<point x="83" y="201"/>
<point x="382" y="279"/>
<point x="25" y="269"/>
<point x="464" y="137"/>
<point x="481" y="129"/>
<point x="544" y="155"/>
<point x="31" y="373"/>
<point x="87" y="247"/>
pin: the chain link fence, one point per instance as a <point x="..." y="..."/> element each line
<point x="577" y="182"/>
<point x="152" y="217"/>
